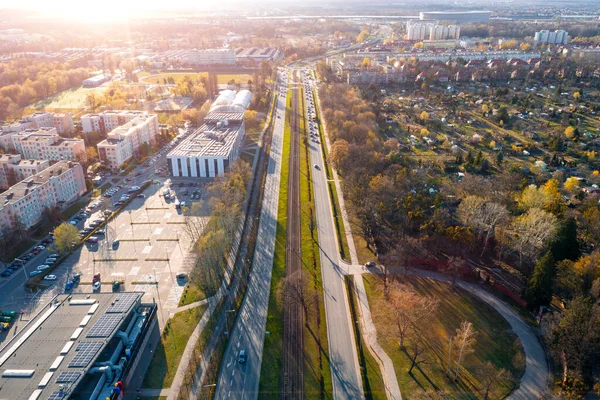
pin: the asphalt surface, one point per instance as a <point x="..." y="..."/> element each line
<point x="240" y="381"/>
<point x="345" y="368"/>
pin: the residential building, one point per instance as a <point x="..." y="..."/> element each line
<point x="80" y="346"/>
<point x="432" y="31"/>
<point x="54" y="186"/>
<point x="44" y="145"/>
<point x="63" y="122"/>
<point x="126" y="141"/>
<point x="13" y="169"/>
<point x="557" y="37"/>
<point x="223" y="56"/>
<point x="216" y="145"/>
<point x="96" y="80"/>
<point x="106" y="121"/>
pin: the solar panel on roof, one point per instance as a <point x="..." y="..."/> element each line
<point x="68" y="376"/>
<point x="58" y="395"/>
<point x="85" y="353"/>
<point x="123" y="303"/>
<point x="105" y="326"/>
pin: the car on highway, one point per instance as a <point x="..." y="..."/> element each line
<point x="316" y="167"/>
<point x="50" y="278"/>
<point x="35" y="273"/>
<point x="242" y="357"/>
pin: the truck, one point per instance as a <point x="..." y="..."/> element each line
<point x="11" y="314"/>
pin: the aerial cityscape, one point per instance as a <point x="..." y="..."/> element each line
<point x="279" y="200"/>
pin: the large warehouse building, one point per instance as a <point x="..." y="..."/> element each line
<point x="79" y="346"/>
<point x="211" y="149"/>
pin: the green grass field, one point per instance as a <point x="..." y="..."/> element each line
<point x="191" y="294"/>
<point x="169" y="350"/>
<point x="495" y="341"/>
<point x="71" y="99"/>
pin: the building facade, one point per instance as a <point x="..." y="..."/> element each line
<point x="13" y="169"/>
<point x="211" y="57"/>
<point x="62" y="122"/>
<point x="44" y="145"/>
<point x="126" y="141"/>
<point x="557" y="37"/>
<point x="106" y="121"/>
<point x="431" y="31"/>
<point x="54" y="186"/>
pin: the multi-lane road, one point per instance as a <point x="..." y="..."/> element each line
<point x="345" y="369"/>
<point x="240" y="380"/>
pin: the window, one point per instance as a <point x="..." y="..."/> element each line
<point x="179" y="166"/>
<point x="197" y="167"/>
<point x="189" y="168"/>
<point x="206" y="167"/>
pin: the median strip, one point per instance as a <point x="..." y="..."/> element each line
<point x="114" y="259"/>
<point x="156" y="259"/>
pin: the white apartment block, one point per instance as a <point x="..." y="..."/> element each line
<point x="62" y="122"/>
<point x="41" y="145"/>
<point x="211" y="57"/>
<point x="557" y="37"/>
<point x="431" y="31"/>
<point x="106" y="121"/>
<point x="124" y="142"/>
<point x="54" y="186"/>
<point x="13" y="167"/>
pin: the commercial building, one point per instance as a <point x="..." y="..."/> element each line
<point x="255" y="54"/>
<point x="216" y="145"/>
<point x="456" y="16"/>
<point x="557" y="37"/>
<point x="14" y="169"/>
<point x="126" y="141"/>
<point x="106" y="121"/>
<point x="54" y="186"/>
<point x="79" y="346"/>
<point x="211" y="57"/>
<point x="431" y="31"/>
<point x="44" y="145"/>
<point x="96" y="80"/>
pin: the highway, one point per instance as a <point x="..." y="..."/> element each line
<point x="345" y="369"/>
<point x="240" y="380"/>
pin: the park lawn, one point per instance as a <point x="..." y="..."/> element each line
<point x="495" y="341"/>
<point x="67" y="99"/>
<point x="222" y="79"/>
<point x="191" y="294"/>
<point x="317" y="371"/>
<point x="169" y="350"/>
<point x="269" y="384"/>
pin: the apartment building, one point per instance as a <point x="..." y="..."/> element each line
<point x="42" y="145"/>
<point x="557" y="37"/>
<point x="106" y="121"/>
<point x="125" y="142"/>
<point x="431" y="31"/>
<point x="14" y="169"/>
<point x="62" y="122"/>
<point x="54" y="186"/>
<point x="211" y="57"/>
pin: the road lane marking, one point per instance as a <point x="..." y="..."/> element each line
<point x="146" y="249"/>
<point x="134" y="271"/>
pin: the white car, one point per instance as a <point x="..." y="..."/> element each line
<point x="50" y="278"/>
<point x="42" y="267"/>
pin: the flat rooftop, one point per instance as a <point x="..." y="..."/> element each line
<point x="61" y="343"/>
<point x="210" y="140"/>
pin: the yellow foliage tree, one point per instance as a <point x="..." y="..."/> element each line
<point x="418" y="45"/>
<point x="424" y="116"/>
<point x="492" y="144"/>
<point x="485" y="109"/>
<point x="570" y="132"/>
<point x="577" y="96"/>
<point x="525" y="46"/>
<point x="572" y="184"/>
<point x="424" y="132"/>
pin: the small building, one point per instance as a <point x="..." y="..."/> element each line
<point x="96" y="80"/>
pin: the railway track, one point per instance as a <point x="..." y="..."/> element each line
<point x="292" y="385"/>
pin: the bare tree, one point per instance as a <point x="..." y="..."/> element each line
<point x="417" y="353"/>
<point x="464" y="341"/>
<point x="483" y="215"/>
<point x="296" y="288"/>
<point x="534" y="229"/>
<point x="491" y="378"/>
<point x="453" y="268"/>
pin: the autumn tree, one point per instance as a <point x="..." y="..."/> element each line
<point x="491" y="379"/>
<point x="569" y="132"/>
<point x="483" y="215"/>
<point x="339" y="153"/>
<point x="533" y="231"/>
<point x="572" y="184"/>
<point x="453" y="269"/>
<point x="424" y="116"/>
<point x="464" y="341"/>
<point x="64" y="237"/>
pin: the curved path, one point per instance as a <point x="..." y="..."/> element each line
<point x="534" y="382"/>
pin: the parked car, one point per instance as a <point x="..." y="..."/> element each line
<point x="35" y="273"/>
<point x="181" y="276"/>
<point x="50" y="278"/>
<point x="96" y="286"/>
<point x="96" y="278"/>
<point x="42" y="267"/>
<point x="76" y="278"/>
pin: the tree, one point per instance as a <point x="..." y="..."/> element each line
<point x="576" y="96"/>
<point x="566" y="245"/>
<point x="569" y="132"/>
<point x="418" y="45"/>
<point x="52" y="215"/>
<point x="525" y="46"/>
<point x="485" y="109"/>
<point x="572" y="184"/>
<point x="464" y="340"/>
<point x="417" y="353"/>
<point x="483" y="215"/>
<point x="64" y="236"/>
<point x="92" y="102"/>
<point x="491" y="379"/>
<point x="339" y="153"/>
<point x="362" y="36"/>
<point x="91" y="153"/>
<point x="534" y="230"/>
<point x="296" y="289"/>
<point x="424" y="116"/>
<point x="424" y="132"/>
<point x="539" y="288"/>
<point x="453" y="268"/>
